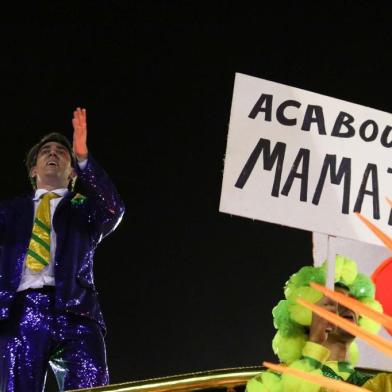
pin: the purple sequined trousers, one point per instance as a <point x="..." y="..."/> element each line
<point x="34" y="335"/>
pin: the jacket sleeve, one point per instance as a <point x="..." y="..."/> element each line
<point x="107" y="208"/>
<point x="2" y="224"/>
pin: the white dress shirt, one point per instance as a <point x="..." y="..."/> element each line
<point x="45" y="277"/>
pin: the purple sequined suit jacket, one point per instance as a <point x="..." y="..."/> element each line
<point x="80" y="223"/>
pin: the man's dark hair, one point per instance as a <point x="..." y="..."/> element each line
<point x="31" y="157"/>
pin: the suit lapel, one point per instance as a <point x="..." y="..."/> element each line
<point x="25" y="212"/>
<point x="58" y="219"/>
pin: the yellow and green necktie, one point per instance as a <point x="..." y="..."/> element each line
<point x="38" y="254"/>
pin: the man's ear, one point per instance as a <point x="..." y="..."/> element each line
<point x="33" y="171"/>
<point x="72" y="180"/>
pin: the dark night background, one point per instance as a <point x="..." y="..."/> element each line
<point x="183" y="287"/>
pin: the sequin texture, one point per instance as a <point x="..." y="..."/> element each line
<point x="62" y="326"/>
<point x="35" y="335"/>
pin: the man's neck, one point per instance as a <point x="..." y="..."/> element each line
<point x="51" y="187"/>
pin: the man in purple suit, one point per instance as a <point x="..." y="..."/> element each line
<point x="49" y="311"/>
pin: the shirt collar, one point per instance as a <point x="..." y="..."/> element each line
<point x="40" y="192"/>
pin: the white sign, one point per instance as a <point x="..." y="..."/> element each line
<point x="306" y="160"/>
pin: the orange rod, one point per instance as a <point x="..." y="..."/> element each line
<point x="380" y="234"/>
<point x="355" y="305"/>
<point x="329" y="383"/>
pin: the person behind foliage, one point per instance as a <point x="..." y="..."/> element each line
<point x="310" y="343"/>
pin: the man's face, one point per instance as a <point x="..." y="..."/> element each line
<point x="322" y="330"/>
<point x="53" y="165"/>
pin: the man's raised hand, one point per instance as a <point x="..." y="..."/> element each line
<point x="79" y="123"/>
